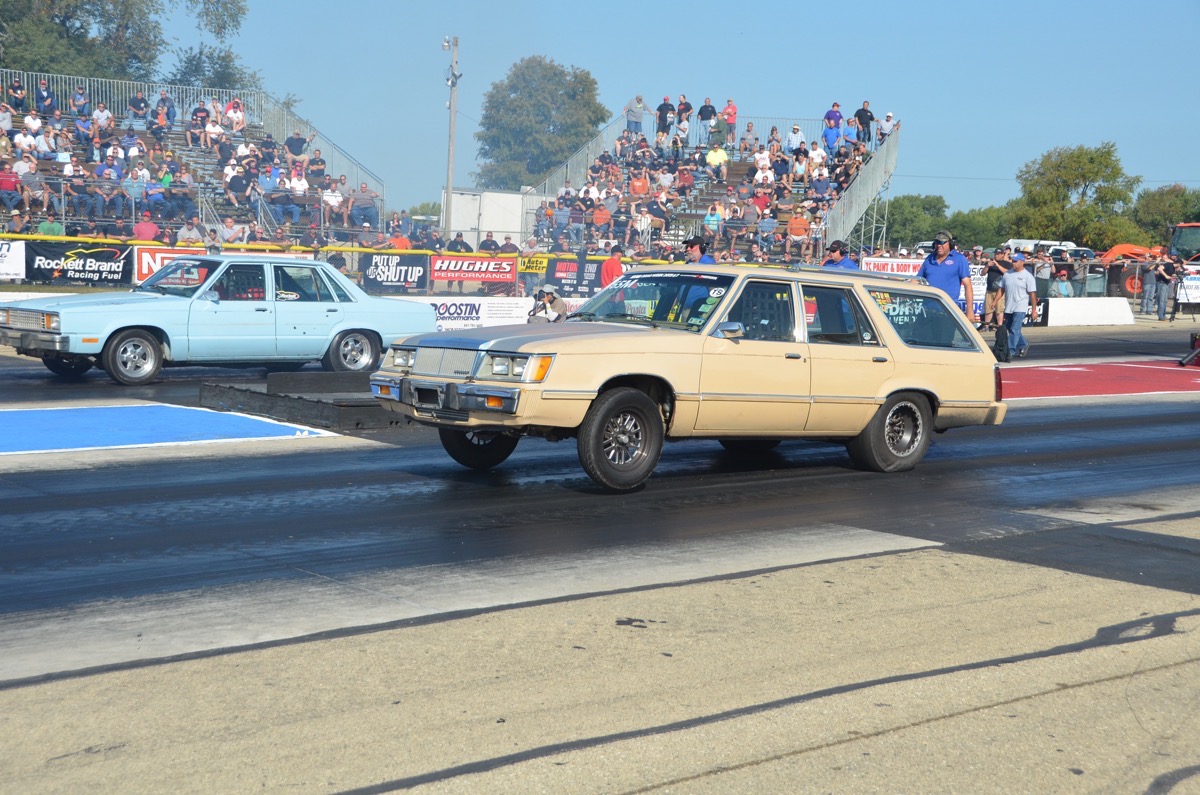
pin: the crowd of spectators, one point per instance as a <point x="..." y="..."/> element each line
<point x="679" y="166"/>
<point x="92" y="166"/>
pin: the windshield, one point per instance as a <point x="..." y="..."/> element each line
<point x="1185" y="242"/>
<point x="181" y="277"/>
<point x="676" y="300"/>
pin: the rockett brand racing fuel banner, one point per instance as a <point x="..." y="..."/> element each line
<point x="79" y="263"/>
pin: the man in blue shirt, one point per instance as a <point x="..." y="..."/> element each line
<point x="695" y="251"/>
<point x="948" y="270"/>
<point x="838" y="259"/>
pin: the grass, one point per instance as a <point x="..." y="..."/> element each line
<point x="6" y="287"/>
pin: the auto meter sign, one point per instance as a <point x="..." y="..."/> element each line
<point x="469" y="268"/>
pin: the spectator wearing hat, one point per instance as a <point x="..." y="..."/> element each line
<point x="716" y="162"/>
<point x="838" y="257"/>
<point x="949" y="271"/>
<point x="696" y="251"/>
<point x="1020" y="297"/>
<point x="312" y="238"/>
<point x="886" y="128"/>
<point x="145" y="229"/>
<point x="237" y="189"/>
<point x="552" y="306"/>
<point x="993" y="302"/>
<point x="509" y="247"/>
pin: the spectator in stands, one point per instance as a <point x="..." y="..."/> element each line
<point x="194" y="135"/>
<point x="865" y="118"/>
<point x="831" y="137"/>
<point x="767" y="226"/>
<point x="212" y="243"/>
<point x="635" y="109"/>
<point x="190" y="232"/>
<point x="237" y="189"/>
<point x="166" y="104"/>
<point x="489" y="245"/>
<point x="6" y="121"/>
<point x="749" y="142"/>
<point x="798" y="228"/>
<point x="665" y="115"/>
<point x="16" y="94"/>
<point x="24" y="142"/>
<point x="213" y="132"/>
<point x="717" y="162"/>
<point x="81" y="103"/>
<point x="181" y="193"/>
<point x="145" y="229"/>
<point x="315" y="168"/>
<point x="75" y="188"/>
<point x="10" y="187"/>
<point x="268" y="147"/>
<point x="850" y="134"/>
<point x="235" y="117"/>
<point x="107" y="194"/>
<point x="886" y="128"/>
<point x="50" y="227"/>
<point x="255" y="234"/>
<point x="34" y="187"/>
<point x="139" y="109"/>
<point x="6" y="148"/>
<point x="729" y="115"/>
<point x="44" y="99"/>
<point x="282" y="200"/>
<point x="294" y="146"/>
<point x="91" y="229"/>
<point x="230" y="233"/>
<point x="46" y="145"/>
<point x="333" y="202"/>
<point x="134" y="190"/>
<point x="132" y="147"/>
<point x="362" y="206"/>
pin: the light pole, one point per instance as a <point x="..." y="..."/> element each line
<point x="452" y="78"/>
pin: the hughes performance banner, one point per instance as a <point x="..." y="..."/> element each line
<point x="473" y="268"/>
<point x="385" y="274"/>
<point x="78" y="263"/>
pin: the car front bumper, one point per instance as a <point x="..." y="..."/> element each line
<point x="35" y="341"/>
<point x="446" y="400"/>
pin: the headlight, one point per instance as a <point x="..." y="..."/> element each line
<point x="402" y="358"/>
<point x="515" y="367"/>
<point x="53" y="322"/>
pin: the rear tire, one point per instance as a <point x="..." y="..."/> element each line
<point x="748" y="447"/>
<point x="896" y="438"/>
<point x="621" y="439"/>
<point x="68" y="366"/>
<point x="352" y="352"/>
<point x="477" y="449"/>
<point x="133" y="357"/>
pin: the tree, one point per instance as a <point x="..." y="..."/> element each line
<point x="114" y="39"/>
<point x="982" y="226"/>
<point x="1157" y="211"/>
<point x="429" y="209"/>
<point x="213" y="67"/>
<point x="534" y="120"/>
<point x="1074" y="193"/>
<point x="913" y="218"/>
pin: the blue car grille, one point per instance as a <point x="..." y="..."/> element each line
<point x="30" y="319"/>
<point x="444" y="362"/>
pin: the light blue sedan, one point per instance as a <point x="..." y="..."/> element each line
<point x="279" y="313"/>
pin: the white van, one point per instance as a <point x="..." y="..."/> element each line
<point x="1030" y="246"/>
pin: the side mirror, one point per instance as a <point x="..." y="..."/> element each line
<point x="730" y="331"/>
<point x="210" y="295"/>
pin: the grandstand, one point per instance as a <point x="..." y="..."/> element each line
<point x="263" y="115"/>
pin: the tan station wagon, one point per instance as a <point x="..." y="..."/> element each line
<point x="745" y="355"/>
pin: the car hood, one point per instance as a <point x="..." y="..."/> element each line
<point x="600" y="338"/>
<point x="59" y="303"/>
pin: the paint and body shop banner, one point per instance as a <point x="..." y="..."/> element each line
<point x="79" y="263"/>
<point x="473" y="268"/>
<point x="384" y="274"/>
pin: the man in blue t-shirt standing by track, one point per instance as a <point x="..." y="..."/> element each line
<point x="948" y="270"/>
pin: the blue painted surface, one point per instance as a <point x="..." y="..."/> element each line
<point x="35" y="430"/>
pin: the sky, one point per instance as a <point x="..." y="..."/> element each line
<point x="980" y="88"/>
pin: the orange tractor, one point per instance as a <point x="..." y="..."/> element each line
<point x="1185" y="244"/>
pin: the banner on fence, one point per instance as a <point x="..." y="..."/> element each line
<point x="385" y="274"/>
<point x="148" y="260"/>
<point x="12" y="259"/>
<point x="473" y="268"/>
<point x="78" y="263"/>
<point x="573" y="276"/>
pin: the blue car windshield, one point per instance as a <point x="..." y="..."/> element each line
<point x="182" y="277"/>
<point x="673" y="300"/>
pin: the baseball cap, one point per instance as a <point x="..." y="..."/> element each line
<point x="366" y="224"/>
<point x="1018" y="257"/>
<point x="312" y="226"/>
<point x="889" y="115"/>
<point x="943" y="237"/>
<point x="146" y="214"/>
<point x="837" y="245"/>
<point x="694" y="240"/>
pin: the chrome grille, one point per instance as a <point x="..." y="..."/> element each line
<point x="444" y="362"/>
<point x="31" y="319"/>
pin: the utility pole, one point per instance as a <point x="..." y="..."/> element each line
<point x="452" y="78"/>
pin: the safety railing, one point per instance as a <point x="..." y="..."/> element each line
<point x="869" y="180"/>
